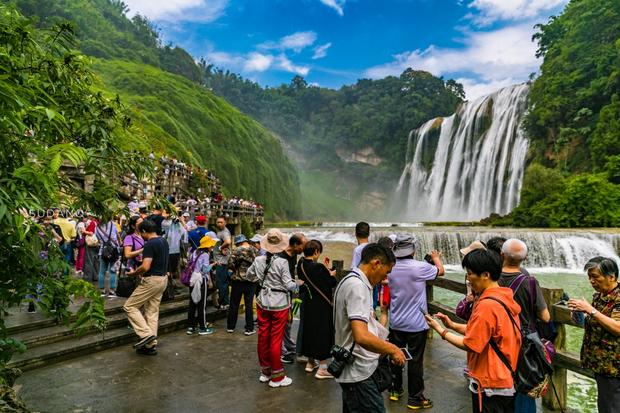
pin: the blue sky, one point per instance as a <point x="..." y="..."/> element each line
<point x="484" y="44"/>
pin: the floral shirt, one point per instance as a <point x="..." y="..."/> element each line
<point x="600" y="350"/>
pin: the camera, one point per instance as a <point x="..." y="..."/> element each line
<point x="428" y="258"/>
<point x="340" y="358"/>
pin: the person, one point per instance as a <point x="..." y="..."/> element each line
<point x="495" y="244"/>
<point x="107" y="234"/>
<point x="319" y="280"/>
<point x="198" y="302"/>
<point x="296" y="245"/>
<point x="529" y="297"/>
<point x="157" y="217"/>
<point x="195" y="235"/>
<point x="81" y="245"/>
<point x="408" y="328"/>
<point x="465" y="306"/>
<point x="357" y="329"/>
<point x="221" y="255"/>
<point x="176" y="236"/>
<point x="255" y="242"/>
<point x="384" y="288"/>
<point x="490" y="381"/>
<point x="242" y="257"/>
<point x="362" y="233"/>
<point x="133" y="243"/>
<point x="91" y="259"/>
<point x="600" y="349"/>
<point x="272" y="305"/>
<point x="150" y="290"/>
<point x="68" y="232"/>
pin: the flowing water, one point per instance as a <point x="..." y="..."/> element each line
<point x="468" y="165"/>
<point x="556" y="258"/>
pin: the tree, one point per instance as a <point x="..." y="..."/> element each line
<point x="52" y="117"/>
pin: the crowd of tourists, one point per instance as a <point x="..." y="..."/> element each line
<point x="364" y="329"/>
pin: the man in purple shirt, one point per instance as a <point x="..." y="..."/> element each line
<point x="408" y="328"/>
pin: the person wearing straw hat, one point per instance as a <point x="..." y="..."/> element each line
<point x="199" y="262"/>
<point x="272" y="305"/>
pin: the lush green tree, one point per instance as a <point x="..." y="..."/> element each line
<point x="50" y="118"/>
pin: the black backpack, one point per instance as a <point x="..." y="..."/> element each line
<point x="533" y="373"/>
<point x="109" y="252"/>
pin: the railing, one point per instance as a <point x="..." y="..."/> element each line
<point x="564" y="360"/>
<point x="234" y="211"/>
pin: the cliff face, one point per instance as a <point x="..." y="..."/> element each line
<point x="365" y="156"/>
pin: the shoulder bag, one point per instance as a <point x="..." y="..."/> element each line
<point x="314" y="286"/>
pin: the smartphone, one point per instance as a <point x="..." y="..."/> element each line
<point x="407" y="354"/>
<point x="423" y="311"/>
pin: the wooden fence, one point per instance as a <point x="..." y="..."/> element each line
<point x="564" y="360"/>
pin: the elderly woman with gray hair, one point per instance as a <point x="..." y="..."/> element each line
<point x="600" y="350"/>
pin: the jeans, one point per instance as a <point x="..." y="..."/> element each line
<point x="221" y="280"/>
<point x="289" y="348"/>
<point x="415" y="343"/>
<point x="362" y="397"/>
<point x="67" y="250"/>
<point x="270" y="331"/>
<point x="524" y="404"/>
<point x="103" y="267"/>
<point x="608" y="400"/>
<point x="238" y="289"/>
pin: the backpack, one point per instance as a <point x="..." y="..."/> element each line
<point x="533" y="373"/>
<point x="186" y="274"/>
<point x="109" y="252"/>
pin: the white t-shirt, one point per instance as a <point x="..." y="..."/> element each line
<point x="357" y="255"/>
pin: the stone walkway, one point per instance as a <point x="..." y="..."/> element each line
<point x="216" y="373"/>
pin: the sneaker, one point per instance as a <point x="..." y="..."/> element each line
<point x="302" y="359"/>
<point x="147" y="351"/>
<point x="423" y="403"/>
<point x="144" y="342"/>
<point x="103" y="294"/>
<point x="230" y="330"/>
<point x="190" y="331"/>
<point x="205" y="331"/>
<point x="249" y="333"/>
<point x="310" y="367"/>
<point x="31" y="308"/>
<point x="112" y="294"/>
<point x="323" y="374"/>
<point x="286" y="381"/>
<point x="395" y="395"/>
<point x="287" y="359"/>
<point x="264" y="379"/>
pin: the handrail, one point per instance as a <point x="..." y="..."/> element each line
<point x="560" y="314"/>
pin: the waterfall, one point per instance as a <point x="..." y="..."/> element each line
<point x="564" y="250"/>
<point x="468" y="165"/>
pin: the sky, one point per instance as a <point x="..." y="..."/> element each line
<point x="484" y="44"/>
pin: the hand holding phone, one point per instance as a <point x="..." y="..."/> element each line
<point x="406" y="353"/>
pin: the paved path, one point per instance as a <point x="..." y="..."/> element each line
<point x="216" y="373"/>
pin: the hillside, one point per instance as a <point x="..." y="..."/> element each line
<point x="573" y="177"/>
<point x="173" y="114"/>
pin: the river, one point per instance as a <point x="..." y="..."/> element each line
<point x="555" y="257"/>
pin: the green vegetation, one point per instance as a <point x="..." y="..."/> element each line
<point x="177" y="117"/>
<point x="173" y="114"/>
<point x="51" y="117"/>
<point x="573" y="179"/>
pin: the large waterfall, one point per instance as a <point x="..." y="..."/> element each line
<point x="469" y="165"/>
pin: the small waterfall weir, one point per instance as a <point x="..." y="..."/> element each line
<point x="468" y="165"/>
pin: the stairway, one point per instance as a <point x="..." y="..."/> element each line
<point x="49" y="343"/>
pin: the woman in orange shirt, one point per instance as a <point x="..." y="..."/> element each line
<point x="490" y="380"/>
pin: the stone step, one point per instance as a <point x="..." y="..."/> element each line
<point x="20" y="321"/>
<point x="72" y="347"/>
<point x="52" y="334"/>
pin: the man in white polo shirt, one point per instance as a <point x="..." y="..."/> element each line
<point x="355" y="322"/>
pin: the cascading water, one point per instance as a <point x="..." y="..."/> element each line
<point x="469" y="165"/>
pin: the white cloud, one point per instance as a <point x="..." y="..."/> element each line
<point x="295" y="42"/>
<point x="493" y="10"/>
<point x="321" y="51"/>
<point x="488" y="59"/>
<point x="285" y="64"/>
<point x="178" y="10"/>
<point x="337" y="5"/>
<point x="257" y="62"/>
